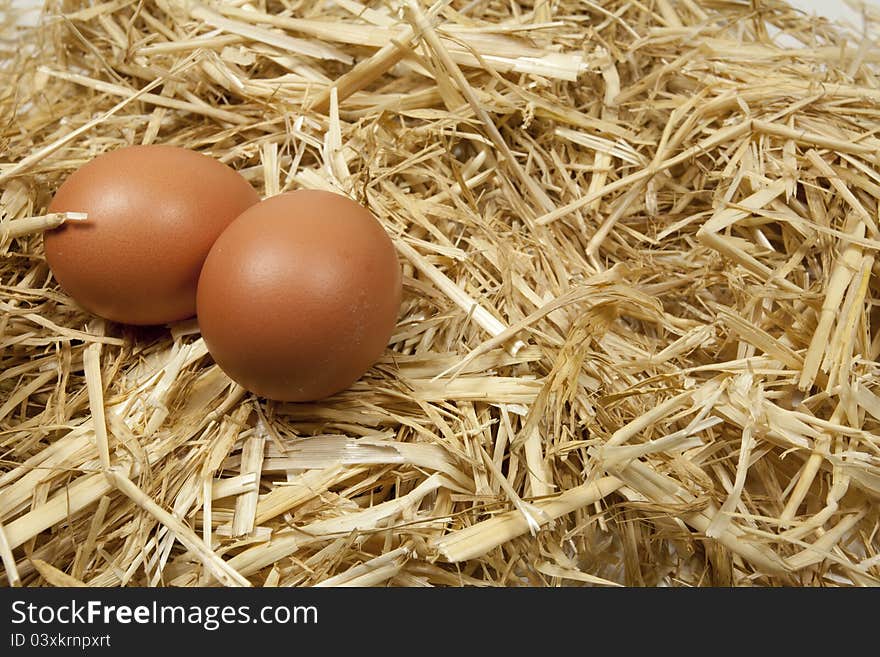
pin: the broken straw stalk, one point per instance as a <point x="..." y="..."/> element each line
<point x="30" y="225"/>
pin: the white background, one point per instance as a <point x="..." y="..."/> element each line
<point x="835" y="9"/>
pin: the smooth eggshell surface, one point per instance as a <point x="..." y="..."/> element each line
<point x="154" y="213"/>
<point x="300" y="295"/>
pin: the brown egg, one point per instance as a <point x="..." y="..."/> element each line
<point x="154" y="212"/>
<point x="299" y="296"/>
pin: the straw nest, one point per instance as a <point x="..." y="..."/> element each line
<point x="639" y="335"/>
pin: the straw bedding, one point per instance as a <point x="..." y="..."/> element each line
<point x="639" y="337"/>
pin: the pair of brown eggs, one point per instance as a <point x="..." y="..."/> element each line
<point x="296" y="295"/>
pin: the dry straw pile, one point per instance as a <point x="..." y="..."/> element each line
<point x="639" y="337"/>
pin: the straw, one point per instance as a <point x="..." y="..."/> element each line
<point x="638" y="340"/>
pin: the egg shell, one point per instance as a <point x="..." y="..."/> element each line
<point x="153" y="214"/>
<point x="299" y="295"/>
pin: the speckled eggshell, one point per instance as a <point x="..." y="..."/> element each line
<point x="299" y="295"/>
<point x="154" y="213"/>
